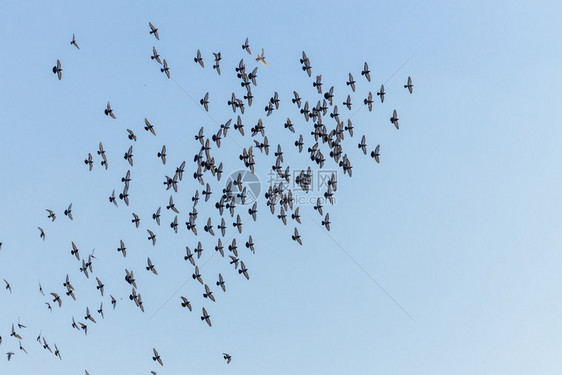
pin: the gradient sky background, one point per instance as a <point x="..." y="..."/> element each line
<point x="459" y="223"/>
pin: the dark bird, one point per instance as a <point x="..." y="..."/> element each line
<point x="394" y="119"/>
<point x="156" y="357"/>
<point x="153" y="30"/>
<point x="58" y="70"/>
<point x="155" y="56"/>
<point x="52" y="215"/>
<point x="376" y="154"/>
<point x="136" y="219"/>
<point x="199" y="59"/>
<point x="206" y="317"/>
<point x="185" y="303"/>
<point x="68" y="212"/>
<point x="205" y="102"/>
<point x="122" y="248"/>
<point x="165" y="69"/>
<point x="156" y="216"/>
<point x="41" y="233"/>
<point x="150" y="266"/>
<point x="381" y="93"/>
<point x="326" y="221"/>
<point x="369" y="101"/>
<point x="366" y="72"/>
<point x="73" y="42"/>
<point x="151" y="237"/>
<point x="108" y="111"/>
<point x="162" y="154"/>
<point x="351" y="82"/>
<point x="149" y="127"/>
<point x="297" y="237"/>
<point x="208" y="294"/>
<point x="227" y="357"/>
<point x="246" y="46"/>
<point x="409" y="85"/>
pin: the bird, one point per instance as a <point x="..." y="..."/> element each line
<point x="185" y="303"/>
<point x="156" y="215"/>
<point x="8" y="286"/>
<point x="221" y="283"/>
<point x="151" y="237"/>
<point x="208" y="294"/>
<point x="73" y="42"/>
<point x="366" y="72"/>
<point x="227" y="357"/>
<point x="243" y="270"/>
<point x="10" y="354"/>
<point x="205" y="102"/>
<point x="165" y="69"/>
<point x="409" y="85"/>
<point x="89" y="161"/>
<point x="150" y="267"/>
<point x="136" y="219"/>
<point x="153" y="30"/>
<point x="155" y="56"/>
<point x="363" y="145"/>
<point x="57" y="69"/>
<point x="297" y="237"/>
<point x="149" y="127"/>
<point x="108" y="111"/>
<point x="381" y="93"/>
<point x="41" y="233"/>
<point x="261" y="58"/>
<point x="162" y="154"/>
<point x="376" y="153"/>
<point x="199" y="59"/>
<point x="206" y="317"/>
<point x="156" y="357"/>
<point x="351" y="82"/>
<point x="246" y="46"/>
<point x="394" y="119"/>
<point x="326" y="221"/>
<point x="68" y="212"/>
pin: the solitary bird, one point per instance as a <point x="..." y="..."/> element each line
<point x="394" y="119"/>
<point x="165" y="69"/>
<point x="153" y="30"/>
<point x="246" y="46"/>
<point x="199" y="59"/>
<point x="376" y="153"/>
<point x="108" y="111"/>
<point x="156" y="357"/>
<point x="155" y="56"/>
<point x="227" y="357"/>
<point x="73" y="42"/>
<point x="57" y="69"/>
<point x="409" y="85"/>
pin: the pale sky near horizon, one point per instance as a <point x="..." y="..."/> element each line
<point x="459" y="223"/>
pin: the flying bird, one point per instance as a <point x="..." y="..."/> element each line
<point x="153" y="30"/>
<point x="57" y="69"/>
<point x="73" y="42"/>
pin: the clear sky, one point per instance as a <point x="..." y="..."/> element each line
<point x="460" y="222"/>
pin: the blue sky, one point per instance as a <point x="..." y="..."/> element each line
<point x="459" y="222"/>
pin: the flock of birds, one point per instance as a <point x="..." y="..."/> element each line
<point x="279" y="196"/>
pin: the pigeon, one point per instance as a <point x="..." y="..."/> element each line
<point x="394" y="119"/>
<point x="73" y="42"/>
<point x="381" y="93"/>
<point x="409" y="85"/>
<point x="165" y="69"/>
<point x="246" y="46"/>
<point x="156" y="357"/>
<point x="366" y="72"/>
<point x="199" y="59"/>
<point x="58" y="70"/>
<point x="149" y="127"/>
<point x="227" y="357"/>
<point x="68" y="212"/>
<point x="376" y="153"/>
<point x="153" y="30"/>
<point x="41" y="233"/>
<point x="261" y="58"/>
<point x="108" y="111"/>
<point x="155" y="56"/>
<point x="206" y="317"/>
